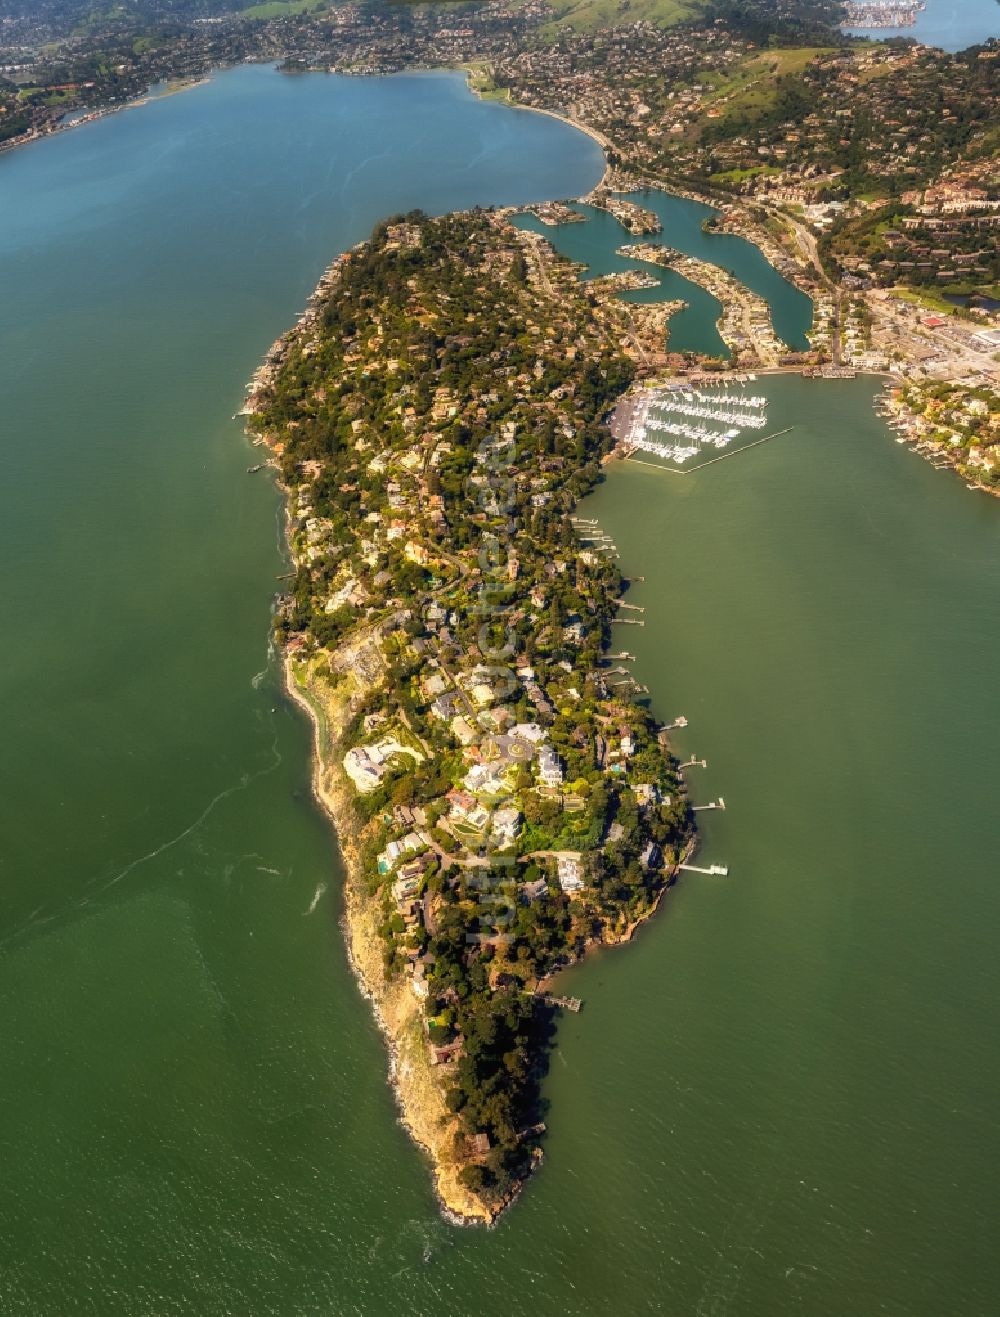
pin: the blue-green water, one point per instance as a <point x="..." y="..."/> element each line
<point x="779" y="1100"/>
<point x="595" y="243"/>
<point x="193" y="1108"/>
<point x="949" y="24"/>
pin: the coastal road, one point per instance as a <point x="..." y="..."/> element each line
<point x="809" y="251"/>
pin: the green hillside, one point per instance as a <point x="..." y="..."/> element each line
<point x="587" y="15"/>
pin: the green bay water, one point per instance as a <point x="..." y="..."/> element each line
<point x="798" y="1060"/>
<point x="193" y="1108"/>
<point x="780" y="1099"/>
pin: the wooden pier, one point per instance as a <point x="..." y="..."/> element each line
<point x="630" y="681"/>
<point x="712" y="804"/>
<point x="721" y="869"/>
<point x="573" y="1004"/>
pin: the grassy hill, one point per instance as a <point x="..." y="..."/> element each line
<point x="587" y="15"/>
<point x="752" y="86"/>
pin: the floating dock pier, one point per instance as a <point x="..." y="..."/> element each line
<point x="573" y="1004"/>
<point x="721" y="869"/>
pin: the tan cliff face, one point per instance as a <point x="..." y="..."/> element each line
<point x="419" y="1089"/>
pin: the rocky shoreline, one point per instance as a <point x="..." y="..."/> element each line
<point x="419" y="1096"/>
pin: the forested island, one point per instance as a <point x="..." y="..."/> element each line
<point x="502" y="798"/>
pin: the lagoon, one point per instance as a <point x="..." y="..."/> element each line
<point x="595" y="243"/>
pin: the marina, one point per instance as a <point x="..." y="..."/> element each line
<point x="882" y="14"/>
<point x="676" y="423"/>
<point x="949" y="24"/>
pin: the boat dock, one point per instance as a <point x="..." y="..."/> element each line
<point x="573" y="1004"/>
<point x="721" y="869"/>
<point x="712" y="804"/>
<point x="735" y="452"/>
<point x="633" y="684"/>
<point x="677" y="422"/>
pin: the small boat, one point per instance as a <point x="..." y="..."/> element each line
<point x="252" y="470"/>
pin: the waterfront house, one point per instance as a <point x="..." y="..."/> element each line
<point x="364" y="769"/>
<point x="477" y="1145"/>
<point x="419" y="983"/>
<point x="395" y="850"/>
<point x="646" y="793"/>
<point x="651" y="857"/>
<point x="449" y="1052"/>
